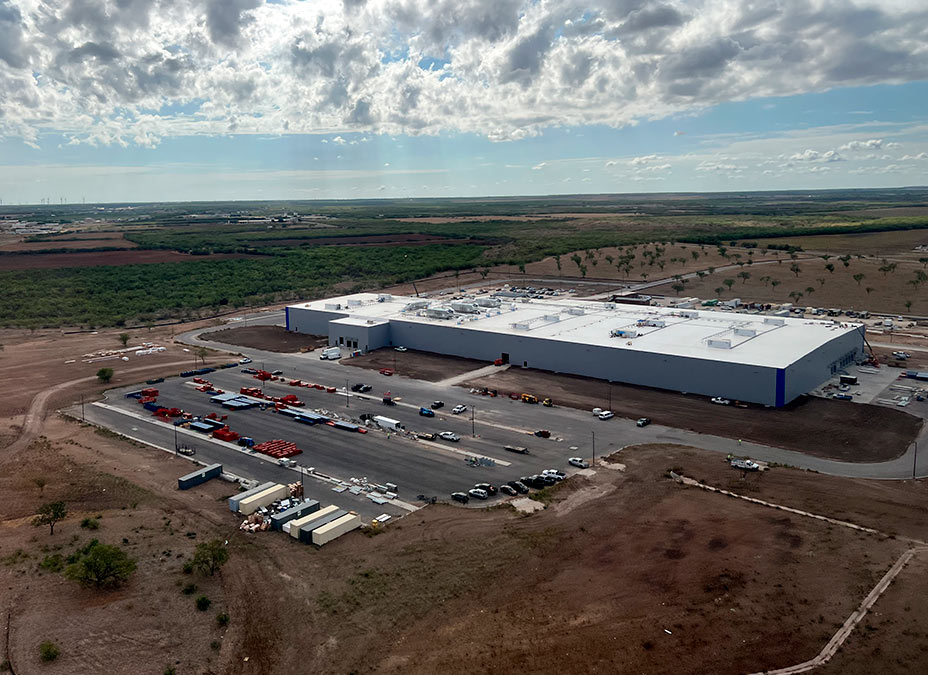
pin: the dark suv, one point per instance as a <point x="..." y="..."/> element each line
<point x="460" y="497"/>
<point x="518" y="486"/>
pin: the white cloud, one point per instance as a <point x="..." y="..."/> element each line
<point x="136" y="71"/>
<point x="540" y="166"/>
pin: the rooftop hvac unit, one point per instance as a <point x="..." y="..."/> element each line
<point x="439" y="313"/>
<point x="522" y="325"/>
<point x="354" y="303"/>
<point x="464" y="307"/>
<point x="488" y="302"/>
<point x="774" y="321"/>
<point x="384" y="297"/>
<point x="609" y="305"/>
<point x="717" y="343"/>
<point x="623" y="333"/>
<point x="576" y="311"/>
<point x="745" y="332"/>
<point x="333" y="305"/>
<point x="552" y="317"/>
<point x="416" y="304"/>
<point x="689" y="314"/>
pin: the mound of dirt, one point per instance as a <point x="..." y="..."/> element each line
<point x="268" y="338"/>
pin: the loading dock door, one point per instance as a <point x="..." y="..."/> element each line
<point x="505" y="357"/>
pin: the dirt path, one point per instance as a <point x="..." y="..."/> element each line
<point x="35" y="415"/>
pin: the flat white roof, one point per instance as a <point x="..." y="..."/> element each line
<point x="696" y="333"/>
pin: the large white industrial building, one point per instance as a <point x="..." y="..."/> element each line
<point x="748" y="357"/>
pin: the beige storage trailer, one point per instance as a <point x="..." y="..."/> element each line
<point x="251" y="504"/>
<point x="295" y="525"/>
<point x="336" y="528"/>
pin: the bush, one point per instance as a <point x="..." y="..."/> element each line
<point x="222" y="619"/>
<point x="48" y="651"/>
<point x="105" y="374"/>
<point x="90" y="524"/>
<point x="203" y="603"/>
<point x="169" y="670"/>
<point x="102" y="566"/>
<point x="188" y="567"/>
<point x="189" y="589"/>
<point x="210" y="556"/>
<point x="52" y="563"/>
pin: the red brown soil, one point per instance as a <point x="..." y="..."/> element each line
<point x="814" y="426"/>
<point x="419" y="365"/>
<point x="104" y="239"/>
<point x="98" y="258"/>
<point x="268" y="338"/>
<point x="528" y="218"/>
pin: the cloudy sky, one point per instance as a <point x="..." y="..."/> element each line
<point x="135" y="100"/>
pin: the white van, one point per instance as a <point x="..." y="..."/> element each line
<point x="331" y="353"/>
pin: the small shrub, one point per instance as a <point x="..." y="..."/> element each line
<point x="90" y="524"/>
<point x="52" y="563"/>
<point x="203" y="603"/>
<point x="189" y="589"/>
<point x="169" y="670"/>
<point x="48" y="651"/>
<point x="215" y="645"/>
<point x="188" y="567"/>
<point x="222" y="619"/>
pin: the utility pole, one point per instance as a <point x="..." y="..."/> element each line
<point x="473" y="421"/>
<point x="914" y="459"/>
<point x="610" y="394"/>
<point x="347" y="397"/>
<point x="593" y="434"/>
<point x="82" y="407"/>
<point x="175" y="440"/>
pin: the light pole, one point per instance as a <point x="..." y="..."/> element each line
<point x="82" y="408"/>
<point x="914" y="459"/>
<point x="347" y="397"/>
<point x="593" y="434"/>
<point x="175" y="440"/>
<point x="473" y="421"/>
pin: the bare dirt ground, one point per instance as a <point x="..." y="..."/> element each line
<point x="531" y="218"/>
<point x="888" y="292"/>
<point x="420" y="365"/>
<point x="268" y="338"/>
<point x="107" y="239"/>
<point x="676" y="259"/>
<point x="814" y="426"/>
<point x="871" y="243"/>
<point x="101" y="258"/>
<point x="366" y="240"/>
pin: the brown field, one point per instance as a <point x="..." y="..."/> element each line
<point x="642" y="269"/>
<point x="98" y="258"/>
<point x="814" y="426"/>
<point x="73" y="241"/>
<point x="873" y="243"/>
<point x="891" y="212"/>
<point x="623" y="572"/>
<point x="888" y="292"/>
<point x="527" y="218"/>
<point x="420" y="365"/>
<point x="268" y="338"/>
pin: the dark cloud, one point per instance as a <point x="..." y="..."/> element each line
<point x="224" y="19"/>
<point x="525" y="57"/>
<point x="11" y="35"/>
<point x="649" y="18"/>
<point x="102" y="52"/>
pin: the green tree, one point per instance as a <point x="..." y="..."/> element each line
<point x="859" y="277"/>
<point x="677" y="287"/>
<point x="105" y="374"/>
<point x="869" y="289"/>
<point x="49" y="514"/>
<point x="908" y="305"/>
<point x="923" y="261"/>
<point x="719" y="291"/>
<point x="744" y="276"/>
<point x="729" y="283"/>
<point x="846" y="259"/>
<point x="103" y="566"/>
<point x="48" y="651"/>
<point x="821" y="281"/>
<point x="484" y="272"/>
<point x="522" y="267"/>
<point x="210" y="556"/>
<point x="775" y="282"/>
<point x="830" y="268"/>
<point x="124" y="338"/>
<point x="795" y="269"/>
<point x="40" y="483"/>
<point x="810" y="290"/>
<point x="583" y="271"/>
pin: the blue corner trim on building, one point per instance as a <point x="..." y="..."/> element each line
<point x="287" y="314"/>
<point x="781" y="387"/>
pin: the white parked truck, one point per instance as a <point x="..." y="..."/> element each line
<point x="387" y="423"/>
<point x="331" y="353"/>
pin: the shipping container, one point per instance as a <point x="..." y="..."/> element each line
<point x="295" y="525"/>
<point x="336" y="528"/>
<point x="213" y="424"/>
<point x="289" y="412"/>
<point x="251" y="504"/>
<point x="278" y="520"/>
<point x="202" y="428"/>
<point x="235" y="499"/>
<point x="305" y="534"/>
<point x="199" y="476"/>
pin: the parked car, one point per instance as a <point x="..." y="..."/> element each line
<point x="543" y="433"/>
<point x="518" y="486"/>
<point x="643" y="421"/>
<point x="547" y="479"/>
<point x="554" y="473"/>
<point x="486" y="487"/>
<point x="427" y="437"/>
<point x="547" y="403"/>
<point x="449" y="436"/>
<point x="476" y="493"/>
<point x="249" y="371"/>
<point x="532" y="482"/>
<point x="902" y="356"/>
<point x="400" y="349"/>
<point x="460" y="497"/>
<point x="277" y="372"/>
<point x="843" y="397"/>
<point x="426" y="412"/>
<point x="718" y="400"/>
<point x="606" y="415"/>
<point x="508" y="490"/>
<point x="360" y="387"/>
<point x="458" y="409"/>
<point x="386" y="371"/>
<point x="437" y="404"/>
<point x="244" y="360"/>
<point x="579" y="462"/>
